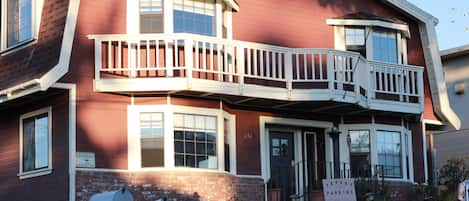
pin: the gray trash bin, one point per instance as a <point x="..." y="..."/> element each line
<point x="120" y="195"/>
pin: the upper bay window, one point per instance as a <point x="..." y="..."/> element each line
<point x="19" y="22"/>
<point x="376" y="38"/>
<point x="201" y="17"/>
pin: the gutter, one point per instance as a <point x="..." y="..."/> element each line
<point x="59" y="70"/>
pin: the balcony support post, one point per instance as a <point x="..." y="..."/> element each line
<point x="188" y="60"/>
<point x="356" y="70"/>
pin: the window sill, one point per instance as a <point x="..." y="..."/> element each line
<point x="35" y="173"/>
<point x="18" y="47"/>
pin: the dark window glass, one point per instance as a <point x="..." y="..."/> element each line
<point x="195" y="141"/>
<point x="390" y="153"/>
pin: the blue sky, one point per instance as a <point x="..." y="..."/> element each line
<point x="453" y="29"/>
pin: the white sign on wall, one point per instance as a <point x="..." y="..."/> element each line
<point x="339" y="190"/>
<point x="85" y="160"/>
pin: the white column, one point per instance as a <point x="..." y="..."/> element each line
<point x="133" y="17"/>
<point x="218" y="17"/>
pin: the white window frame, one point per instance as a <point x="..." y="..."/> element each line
<point x="134" y="156"/>
<point x="373" y="128"/>
<point x="44" y="171"/>
<point x="402" y="34"/>
<point x="133" y="15"/>
<point x="37" y="7"/>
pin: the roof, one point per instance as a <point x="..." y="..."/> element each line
<point x="369" y="16"/>
<point x="455" y="52"/>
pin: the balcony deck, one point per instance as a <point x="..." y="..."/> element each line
<point x="207" y="65"/>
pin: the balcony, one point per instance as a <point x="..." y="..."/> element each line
<point x="168" y="63"/>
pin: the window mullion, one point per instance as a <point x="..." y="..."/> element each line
<point x="168" y="16"/>
<point x="169" y="140"/>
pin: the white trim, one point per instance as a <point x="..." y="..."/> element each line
<point x="59" y="70"/>
<point x="48" y="169"/>
<point x="133" y="137"/>
<point x="373" y="23"/>
<point x="71" y="136"/>
<point x="433" y="122"/>
<point x="264" y="136"/>
<point x="231" y="140"/>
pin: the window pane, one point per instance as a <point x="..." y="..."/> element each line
<point x="28" y="144"/>
<point x="152" y="139"/>
<point x="389" y="153"/>
<point x="42" y="142"/>
<point x="385" y="46"/>
<point x="151" y="16"/>
<point x="194" y="16"/>
<point x="360" y="141"/>
<point x="19" y="21"/>
<point x="355" y="36"/>
<point x="194" y="143"/>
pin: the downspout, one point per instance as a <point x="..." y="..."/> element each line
<point x="71" y="135"/>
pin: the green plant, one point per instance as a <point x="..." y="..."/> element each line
<point x="453" y="172"/>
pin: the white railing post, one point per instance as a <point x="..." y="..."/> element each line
<point x="330" y="73"/>
<point x="240" y="67"/>
<point x="188" y="60"/>
<point x="371" y="82"/>
<point x="98" y="64"/>
<point x="421" y="89"/>
<point x="169" y="57"/>
<point x="289" y="72"/>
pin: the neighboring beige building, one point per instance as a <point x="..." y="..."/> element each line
<point x="454" y="143"/>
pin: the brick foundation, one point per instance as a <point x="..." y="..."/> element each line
<point x="175" y="185"/>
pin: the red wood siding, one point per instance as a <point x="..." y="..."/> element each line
<point x="36" y="60"/>
<point x="53" y="187"/>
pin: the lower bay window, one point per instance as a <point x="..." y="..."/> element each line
<point x="382" y="148"/>
<point x="166" y="137"/>
<point x="35" y="144"/>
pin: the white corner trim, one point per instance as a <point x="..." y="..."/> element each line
<point x="374" y="23"/>
<point x="232" y="4"/>
<point x="58" y="70"/>
<point x="71" y="135"/>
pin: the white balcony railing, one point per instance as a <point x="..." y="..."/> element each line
<point x="303" y="73"/>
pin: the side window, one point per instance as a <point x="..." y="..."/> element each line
<point x="151" y="16"/>
<point x="35" y="137"/>
<point x="194" y="16"/>
<point x="18" y="22"/>
<point x="355" y="40"/>
<point x="152" y="139"/>
<point x="390" y="153"/>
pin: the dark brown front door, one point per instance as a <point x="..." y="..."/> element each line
<point x="281" y="157"/>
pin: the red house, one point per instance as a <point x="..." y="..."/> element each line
<point x="214" y="99"/>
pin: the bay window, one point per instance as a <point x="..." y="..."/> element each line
<point x="35" y="138"/>
<point x="360" y="153"/>
<point x="162" y="136"/>
<point x="383" y="41"/>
